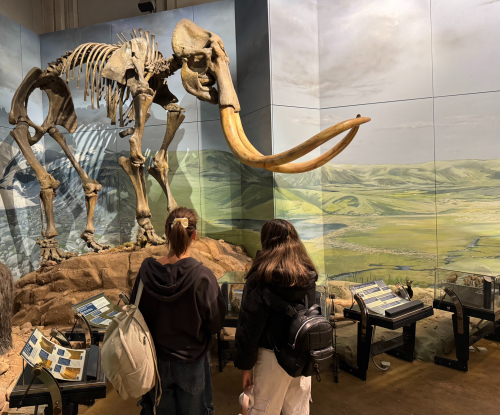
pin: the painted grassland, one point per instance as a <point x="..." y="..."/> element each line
<point x="399" y="222"/>
<point x="358" y="222"/>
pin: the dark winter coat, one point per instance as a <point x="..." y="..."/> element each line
<point x="182" y="305"/>
<point x="259" y="323"/>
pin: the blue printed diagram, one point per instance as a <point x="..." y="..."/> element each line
<point x="65" y="364"/>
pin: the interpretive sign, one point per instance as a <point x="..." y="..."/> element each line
<point x="377" y="296"/>
<point x="61" y="362"/>
<point x="98" y="310"/>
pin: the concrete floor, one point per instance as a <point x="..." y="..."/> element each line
<point x="416" y="388"/>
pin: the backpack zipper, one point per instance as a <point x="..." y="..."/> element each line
<point x="302" y="326"/>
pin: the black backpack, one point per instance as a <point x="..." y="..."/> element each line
<point x="309" y="347"/>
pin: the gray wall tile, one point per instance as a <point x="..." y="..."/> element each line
<point x="374" y="51"/>
<point x="294" y="52"/>
<point x="10" y="67"/>
<point x="254" y="70"/>
<point x="466" y="51"/>
<point x="467" y="178"/>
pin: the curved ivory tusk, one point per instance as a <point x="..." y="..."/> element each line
<point x="247" y="154"/>
<point x="318" y="161"/>
<point x="307" y="165"/>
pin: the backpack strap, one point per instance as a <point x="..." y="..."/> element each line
<point x="139" y="293"/>
<point x="158" y="389"/>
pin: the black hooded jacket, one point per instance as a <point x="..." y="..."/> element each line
<point x="182" y="305"/>
<point x="259" y="323"/>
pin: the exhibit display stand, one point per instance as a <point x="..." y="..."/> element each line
<point x="467" y="295"/>
<point x="57" y="374"/>
<point x="398" y="314"/>
<point x="37" y="386"/>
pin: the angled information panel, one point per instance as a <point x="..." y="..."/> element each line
<point x="378" y="297"/>
<point x="98" y="310"/>
<point x="61" y="362"/>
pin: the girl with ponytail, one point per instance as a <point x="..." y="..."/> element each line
<point x="183" y="307"/>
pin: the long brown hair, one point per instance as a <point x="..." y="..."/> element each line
<point x="179" y="237"/>
<point x="283" y="259"/>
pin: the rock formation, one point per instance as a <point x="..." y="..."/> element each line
<point x="6" y="293"/>
<point x="44" y="297"/>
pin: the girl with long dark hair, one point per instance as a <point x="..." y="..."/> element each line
<point x="281" y="269"/>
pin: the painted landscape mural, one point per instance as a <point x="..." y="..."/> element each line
<point x="418" y="188"/>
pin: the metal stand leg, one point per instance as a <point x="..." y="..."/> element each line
<point x="461" y="346"/>
<point x="363" y="353"/>
<point x="71" y="409"/>
<point x="407" y="350"/>
<point x="495" y="335"/>
<point x="220" y="353"/>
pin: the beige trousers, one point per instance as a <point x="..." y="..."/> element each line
<point x="275" y="392"/>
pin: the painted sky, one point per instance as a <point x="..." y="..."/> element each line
<point x="373" y="51"/>
<point x="399" y="133"/>
<point x="10" y="67"/>
<point x="466" y="46"/>
<point x="294" y="52"/>
<point x="468" y="127"/>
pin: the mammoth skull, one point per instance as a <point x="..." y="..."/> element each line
<point x="204" y="63"/>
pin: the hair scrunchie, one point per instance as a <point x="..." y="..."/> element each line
<point x="183" y="221"/>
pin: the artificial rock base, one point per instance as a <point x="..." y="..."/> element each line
<point x="44" y="297"/>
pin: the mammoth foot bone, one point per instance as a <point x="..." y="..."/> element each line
<point x="88" y="237"/>
<point x="49" y="251"/>
<point x="147" y="234"/>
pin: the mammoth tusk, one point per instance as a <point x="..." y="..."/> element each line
<point x="247" y="154"/>
<point x="318" y="161"/>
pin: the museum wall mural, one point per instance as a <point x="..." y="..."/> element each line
<point x="201" y="165"/>
<point x="19" y="211"/>
<point x="295" y="96"/>
<point x="419" y="186"/>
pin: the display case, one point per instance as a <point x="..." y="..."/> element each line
<point x="479" y="293"/>
<point x="467" y="295"/>
<point x="232" y="284"/>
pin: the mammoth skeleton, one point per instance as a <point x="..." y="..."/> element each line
<point x="135" y="69"/>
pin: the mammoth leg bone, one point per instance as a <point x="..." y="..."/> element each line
<point x="134" y="167"/>
<point x="49" y="247"/>
<point x="90" y="187"/>
<point x="159" y="169"/>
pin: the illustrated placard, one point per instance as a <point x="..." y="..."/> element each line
<point x="377" y="296"/>
<point x="61" y="362"/>
<point x="98" y="310"/>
